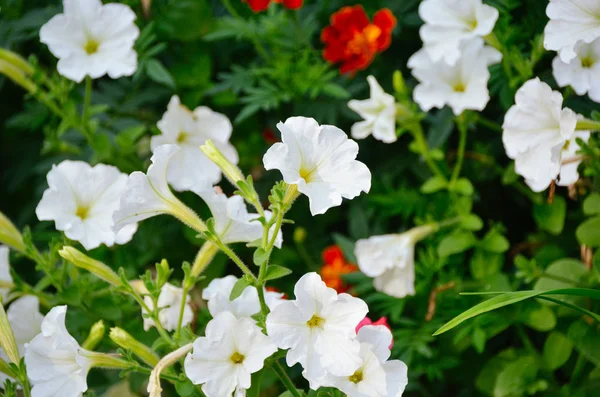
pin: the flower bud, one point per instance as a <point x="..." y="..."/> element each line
<point x="230" y="170"/>
<point x="10" y="235"/>
<point x="7" y="338"/>
<point x="128" y="342"/>
<point x="83" y="261"/>
<point x="399" y="83"/>
<point x="16" y="75"/>
<point x="299" y="235"/>
<point x="95" y="336"/>
<point x="17" y="61"/>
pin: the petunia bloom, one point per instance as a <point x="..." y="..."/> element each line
<point x="6" y="279"/>
<point x="353" y="41"/>
<point x="320" y="160"/>
<point x="217" y="294"/>
<point x="25" y="320"/>
<point x="378" y="113"/>
<point x="54" y="359"/>
<point x="169" y="303"/>
<point x="449" y="24"/>
<point x="462" y="86"/>
<point x="582" y="72"/>
<point x="571" y="22"/>
<point x="536" y="133"/>
<point x="223" y="360"/>
<point x="334" y="267"/>
<point x="91" y="39"/>
<point x="390" y="259"/>
<point x="190" y="168"/>
<point x="81" y="200"/>
<point x="376" y="376"/>
<point x="318" y="328"/>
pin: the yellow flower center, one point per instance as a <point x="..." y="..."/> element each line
<point x="305" y="174"/>
<point x="587" y="62"/>
<point x="182" y="137"/>
<point x="91" y="47"/>
<point x="82" y="212"/>
<point x="356" y="377"/>
<point x="237" y="358"/>
<point x="472" y="25"/>
<point x="459" y="87"/>
<point x="315" y="322"/>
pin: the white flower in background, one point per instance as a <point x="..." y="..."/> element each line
<point x="378" y="113"/>
<point x="54" y="359"/>
<point x="246" y="305"/>
<point x="571" y="21"/>
<point x="148" y="195"/>
<point x="92" y="39"/>
<point x="375" y="377"/>
<point x="190" y="168"/>
<point x="390" y="259"/>
<point x="5" y="277"/>
<point x="25" y="320"/>
<point x="223" y="360"/>
<point x="450" y="23"/>
<point x="462" y="86"/>
<point x="582" y="72"/>
<point x="536" y="132"/>
<point x="169" y="303"/>
<point x="318" y="328"/>
<point x="82" y="199"/>
<point x="233" y="223"/>
<point x="320" y="160"/>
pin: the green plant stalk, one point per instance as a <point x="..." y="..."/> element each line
<point x="204" y="258"/>
<point x="591" y="125"/>
<point x="186" y="290"/>
<point x="232" y="255"/>
<point x="462" y="144"/>
<point x="417" y="132"/>
<point x="85" y="114"/>
<point x="285" y="379"/>
<point x="153" y="315"/>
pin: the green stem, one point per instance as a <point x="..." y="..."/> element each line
<point x="181" y="310"/>
<point x="419" y="136"/>
<point x="489" y="124"/>
<point x="154" y="316"/>
<point x="578" y="370"/>
<point x="462" y="144"/>
<point x="87" y="100"/>
<point x="227" y="251"/>
<point x="590" y="125"/>
<point x="285" y="379"/>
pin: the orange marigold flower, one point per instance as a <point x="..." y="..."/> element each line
<point x="353" y="41"/>
<point x="335" y="266"/>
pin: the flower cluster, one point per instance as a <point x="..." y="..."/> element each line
<point x="353" y="41"/>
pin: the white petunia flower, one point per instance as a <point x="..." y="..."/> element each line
<point x="6" y="279"/>
<point x="320" y="160"/>
<point x="582" y="72"/>
<point x="536" y="132"/>
<point x="375" y="377"/>
<point x="246" y="305"/>
<point x="390" y="259"/>
<point x="318" y="328"/>
<point x="148" y="195"/>
<point x="169" y="301"/>
<point x="82" y="199"/>
<point x="462" y="86"/>
<point x="571" y="21"/>
<point x="233" y="223"/>
<point x="92" y="39"/>
<point x="25" y="320"/>
<point x="56" y="364"/>
<point x="378" y="113"/>
<point x="190" y="168"/>
<point x="450" y="23"/>
<point x="223" y="360"/>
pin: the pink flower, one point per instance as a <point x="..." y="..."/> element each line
<point x="382" y="321"/>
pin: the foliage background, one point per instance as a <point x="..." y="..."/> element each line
<point x="188" y="48"/>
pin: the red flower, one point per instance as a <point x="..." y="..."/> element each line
<point x="353" y="41"/>
<point x="368" y="321"/>
<point x="334" y="267"/>
<point x="261" y="5"/>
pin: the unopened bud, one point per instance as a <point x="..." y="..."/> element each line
<point x="230" y="170"/>
<point x="128" y="342"/>
<point x="299" y="235"/>
<point x="83" y="261"/>
<point x="10" y="235"/>
<point x="399" y="83"/>
<point x="7" y="338"/>
<point x="95" y="336"/>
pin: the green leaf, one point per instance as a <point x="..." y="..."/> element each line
<point x="516" y="377"/>
<point x="260" y="257"/>
<point x="185" y="20"/>
<point x="471" y="222"/>
<point x="563" y="269"/>
<point x="591" y="205"/>
<point x="557" y="350"/>
<point x="463" y="186"/>
<point x="588" y="232"/>
<point x="484" y="264"/>
<point x="494" y="242"/>
<point x="455" y="243"/>
<point x="434" y="184"/>
<point x="238" y="288"/>
<point x="185" y="388"/>
<point x="275" y="272"/>
<point x="551" y="217"/>
<point x="335" y="91"/>
<point x="513" y="297"/>
<point x="586" y="340"/>
<point x="539" y="317"/>
<point x="158" y="73"/>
